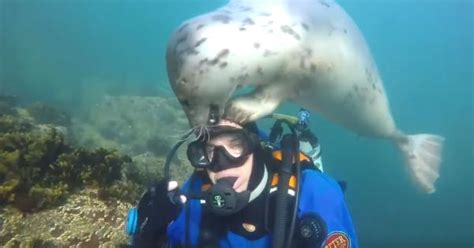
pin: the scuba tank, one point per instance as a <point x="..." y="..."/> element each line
<point x="308" y="142"/>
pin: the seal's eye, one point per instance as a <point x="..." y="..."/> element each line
<point x="185" y="103"/>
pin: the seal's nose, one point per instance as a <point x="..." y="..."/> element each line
<point x="213" y="114"/>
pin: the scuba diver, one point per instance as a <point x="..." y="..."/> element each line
<point x="246" y="193"/>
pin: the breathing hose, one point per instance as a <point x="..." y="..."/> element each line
<point x="289" y="148"/>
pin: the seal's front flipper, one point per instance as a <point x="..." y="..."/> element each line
<point x="262" y="102"/>
<point x="422" y="153"/>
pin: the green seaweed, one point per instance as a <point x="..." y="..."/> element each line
<point x="38" y="169"/>
<point x="10" y="123"/>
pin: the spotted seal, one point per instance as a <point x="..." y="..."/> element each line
<point x="307" y="51"/>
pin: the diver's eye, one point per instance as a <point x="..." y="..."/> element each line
<point x="185" y="103"/>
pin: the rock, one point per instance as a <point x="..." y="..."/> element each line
<point x="141" y="124"/>
<point x="59" y="227"/>
<point x="45" y="114"/>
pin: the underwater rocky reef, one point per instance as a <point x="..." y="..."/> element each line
<point x="68" y="181"/>
<point x="145" y="128"/>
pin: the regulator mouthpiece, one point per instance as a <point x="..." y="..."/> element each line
<point x="222" y="199"/>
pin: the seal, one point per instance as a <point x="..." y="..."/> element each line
<point x="309" y="52"/>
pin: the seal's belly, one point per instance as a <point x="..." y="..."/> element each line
<point x="340" y="79"/>
<point x="323" y="54"/>
<point x="348" y="91"/>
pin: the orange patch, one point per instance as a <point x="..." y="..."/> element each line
<point x="291" y="183"/>
<point x="278" y="155"/>
<point x="337" y="240"/>
<point x="205" y="187"/>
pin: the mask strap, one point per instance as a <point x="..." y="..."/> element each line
<point x="261" y="186"/>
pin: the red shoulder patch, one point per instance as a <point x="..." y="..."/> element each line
<point x="337" y="240"/>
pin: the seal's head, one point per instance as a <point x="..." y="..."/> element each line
<point x="202" y="101"/>
<point x="210" y="56"/>
<point x="197" y="70"/>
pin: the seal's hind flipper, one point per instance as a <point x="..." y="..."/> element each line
<point x="422" y="153"/>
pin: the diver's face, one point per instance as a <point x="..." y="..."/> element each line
<point x="243" y="172"/>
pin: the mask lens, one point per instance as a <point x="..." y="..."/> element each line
<point x="224" y="150"/>
<point x="234" y="145"/>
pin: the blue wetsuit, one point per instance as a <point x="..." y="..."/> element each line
<point x="320" y="194"/>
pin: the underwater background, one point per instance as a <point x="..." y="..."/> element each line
<point x="71" y="54"/>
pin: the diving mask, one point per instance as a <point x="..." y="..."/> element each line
<point x="225" y="147"/>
